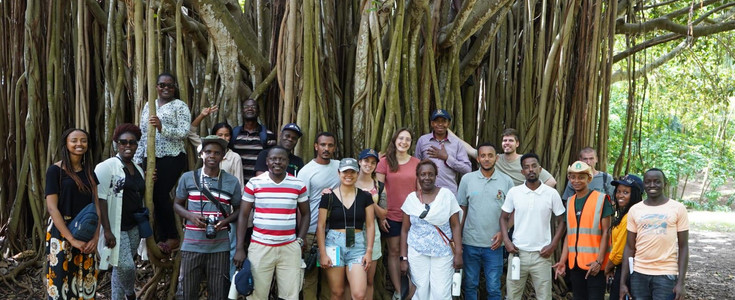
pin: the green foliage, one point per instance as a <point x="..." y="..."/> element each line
<point x="688" y="116"/>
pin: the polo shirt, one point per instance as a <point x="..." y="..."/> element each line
<point x="457" y="162"/>
<point x="274" y="221"/>
<point x="195" y="239"/>
<point x="532" y="219"/>
<point x="248" y="145"/>
<point x="483" y="198"/>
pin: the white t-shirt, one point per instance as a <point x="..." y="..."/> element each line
<point x="318" y="177"/>
<point x="532" y="219"/>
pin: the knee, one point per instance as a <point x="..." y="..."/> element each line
<point x="338" y="293"/>
<point x="394" y="250"/>
<point x="358" y="295"/>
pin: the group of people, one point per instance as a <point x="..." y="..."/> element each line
<point x="254" y="203"/>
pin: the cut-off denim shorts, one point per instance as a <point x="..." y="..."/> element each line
<point x="350" y="255"/>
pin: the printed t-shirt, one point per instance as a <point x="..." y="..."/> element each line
<point x="656" y="229"/>
<point x="398" y="185"/>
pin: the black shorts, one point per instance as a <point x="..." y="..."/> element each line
<point x="395" y="228"/>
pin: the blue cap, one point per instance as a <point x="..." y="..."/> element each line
<point x="440" y="113"/>
<point x="294" y="127"/>
<point x="244" y="279"/>
<point x="631" y="181"/>
<point x="365" y="153"/>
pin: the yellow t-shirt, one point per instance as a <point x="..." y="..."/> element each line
<point x="618" y="238"/>
<point x="656" y="229"/>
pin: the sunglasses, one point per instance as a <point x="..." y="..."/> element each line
<point x="167" y="85"/>
<point x="127" y="142"/>
<point x="425" y="212"/>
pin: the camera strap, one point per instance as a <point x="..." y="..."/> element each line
<point x="208" y="194"/>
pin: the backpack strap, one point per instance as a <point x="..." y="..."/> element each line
<point x="235" y="132"/>
<point x="263" y="135"/>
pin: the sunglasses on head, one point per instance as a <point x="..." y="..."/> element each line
<point x="425" y="212"/>
<point x="166" y="85"/>
<point x="127" y="142"/>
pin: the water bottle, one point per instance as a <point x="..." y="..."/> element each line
<point x="515" y="269"/>
<point x="457" y="283"/>
<point x="232" y="295"/>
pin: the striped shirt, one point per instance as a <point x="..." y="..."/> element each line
<point x="228" y="193"/>
<point x="248" y="145"/>
<point x="275" y="206"/>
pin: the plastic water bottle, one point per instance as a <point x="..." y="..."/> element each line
<point x="233" y="290"/>
<point x="515" y="271"/>
<point x="457" y="283"/>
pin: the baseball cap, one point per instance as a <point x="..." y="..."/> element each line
<point x="293" y="127"/>
<point x="580" y="167"/>
<point x="631" y="181"/>
<point x="440" y="113"/>
<point x="244" y="279"/>
<point x="348" y="164"/>
<point x="365" y="153"/>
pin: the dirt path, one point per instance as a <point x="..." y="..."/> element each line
<point x="711" y="257"/>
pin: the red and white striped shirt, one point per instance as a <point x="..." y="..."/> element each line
<point x="274" y="222"/>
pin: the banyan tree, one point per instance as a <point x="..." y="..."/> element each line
<point x="358" y="68"/>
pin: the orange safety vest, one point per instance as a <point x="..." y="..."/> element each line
<point x="583" y="239"/>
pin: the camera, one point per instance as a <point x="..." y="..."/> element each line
<point x="210" y="231"/>
<point x="311" y="258"/>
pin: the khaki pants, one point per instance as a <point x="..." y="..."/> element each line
<point x="284" y="260"/>
<point x="311" y="279"/>
<point x="539" y="268"/>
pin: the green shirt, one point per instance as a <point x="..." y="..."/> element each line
<point x="607" y="209"/>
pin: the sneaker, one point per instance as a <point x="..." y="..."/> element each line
<point x="396" y="296"/>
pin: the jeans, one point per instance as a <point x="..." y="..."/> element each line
<point x="655" y="287"/>
<point x="491" y="261"/>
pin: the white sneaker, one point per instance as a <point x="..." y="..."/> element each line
<point x="396" y="296"/>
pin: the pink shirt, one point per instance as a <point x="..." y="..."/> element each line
<point x="398" y="185"/>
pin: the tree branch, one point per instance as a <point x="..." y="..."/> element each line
<point x="668" y="25"/>
<point x="621" y="75"/>
<point x="646" y="44"/>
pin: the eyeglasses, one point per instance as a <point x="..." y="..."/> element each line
<point x="128" y="142"/>
<point x="166" y="85"/>
<point x="425" y="212"/>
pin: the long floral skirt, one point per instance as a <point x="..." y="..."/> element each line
<point x="71" y="273"/>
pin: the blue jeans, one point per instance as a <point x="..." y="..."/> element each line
<point x="491" y="261"/>
<point x="656" y="287"/>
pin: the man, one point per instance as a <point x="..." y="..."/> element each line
<point x="250" y="138"/>
<point x="601" y="181"/>
<point x="481" y="194"/>
<point x="658" y="238"/>
<point x="446" y="151"/>
<point x="208" y="199"/>
<point x="586" y="244"/>
<point x="275" y="246"/>
<point x="532" y="205"/>
<point x="509" y="162"/>
<point x="319" y="174"/>
<point x="290" y="135"/>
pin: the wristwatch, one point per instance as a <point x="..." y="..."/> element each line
<point x="403" y="258"/>
<point x="300" y="241"/>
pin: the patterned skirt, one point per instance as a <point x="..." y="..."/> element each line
<point x="71" y="273"/>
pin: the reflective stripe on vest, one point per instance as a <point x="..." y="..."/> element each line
<point x="583" y="239"/>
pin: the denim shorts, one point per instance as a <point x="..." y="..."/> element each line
<point x="350" y="255"/>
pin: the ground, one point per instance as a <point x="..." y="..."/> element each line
<point x="711" y="264"/>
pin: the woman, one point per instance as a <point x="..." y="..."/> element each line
<point x="346" y="221"/>
<point x="171" y="122"/>
<point x="121" y="190"/>
<point x="366" y="182"/>
<point x="628" y="192"/>
<point x="398" y="172"/>
<point x="431" y="237"/>
<point x="70" y="187"/>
